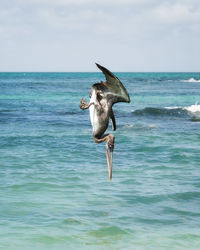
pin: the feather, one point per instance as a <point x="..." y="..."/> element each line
<point x="115" y="90"/>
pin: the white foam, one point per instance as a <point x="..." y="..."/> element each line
<point x="193" y="108"/>
<point x="191" y="80"/>
<point x="176" y="107"/>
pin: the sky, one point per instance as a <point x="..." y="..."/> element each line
<point x="122" y="35"/>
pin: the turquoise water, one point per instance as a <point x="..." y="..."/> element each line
<point x="54" y="188"/>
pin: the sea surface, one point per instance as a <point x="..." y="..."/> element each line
<point x="54" y="188"/>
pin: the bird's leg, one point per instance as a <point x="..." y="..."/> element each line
<point x="112" y="116"/>
<point x="84" y="105"/>
<point x="109" y="138"/>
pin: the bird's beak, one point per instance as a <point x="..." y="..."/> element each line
<point x="109" y="153"/>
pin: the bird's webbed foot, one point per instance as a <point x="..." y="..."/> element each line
<point x="84" y="105"/>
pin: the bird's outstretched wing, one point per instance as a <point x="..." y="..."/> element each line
<point x="115" y="91"/>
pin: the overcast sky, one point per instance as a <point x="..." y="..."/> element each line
<point x="123" y="35"/>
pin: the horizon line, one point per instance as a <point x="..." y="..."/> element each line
<point x="99" y="72"/>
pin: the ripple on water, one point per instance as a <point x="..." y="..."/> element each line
<point x="107" y="232"/>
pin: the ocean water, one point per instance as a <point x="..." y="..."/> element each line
<point x="54" y="188"/>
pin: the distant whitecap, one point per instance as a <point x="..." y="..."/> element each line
<point x="192" y="80"/>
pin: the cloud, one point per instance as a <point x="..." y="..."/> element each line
<point x="83" y="2"/>
<point x="177" y="13"/>
<point x="141" y="20"/>
<point x="135" y="28"/>
<point x="82" y="19"/>
<point x="103" y="17"/>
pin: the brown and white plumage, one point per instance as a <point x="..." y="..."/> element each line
<point x="102" y="97"/>
<point x="115" y="90"/>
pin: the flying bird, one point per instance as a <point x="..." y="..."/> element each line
<point x="102" y="97"/>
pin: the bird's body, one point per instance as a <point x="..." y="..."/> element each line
<point x="99" y="113"/>
<point x="102" y="97"/>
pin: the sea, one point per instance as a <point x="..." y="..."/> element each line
<point x="54" y="187"/>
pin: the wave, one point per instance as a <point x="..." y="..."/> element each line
<point x="193" y="108"/>
<point x="192" y="111"/>
<point x="160" y="112"/>
<point x="191" y="80"/>
<point x="140" y="126"/>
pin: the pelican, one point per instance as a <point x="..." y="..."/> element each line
<point x="102" y="97"/>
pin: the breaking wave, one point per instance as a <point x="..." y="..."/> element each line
<point x="193" y="108"/>
<point x="192" y="112"/>
<point x="191" y="80"/>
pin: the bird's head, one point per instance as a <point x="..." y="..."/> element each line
<point x="109" y="154"/>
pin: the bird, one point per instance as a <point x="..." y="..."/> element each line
<point x="103" y="96"/>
